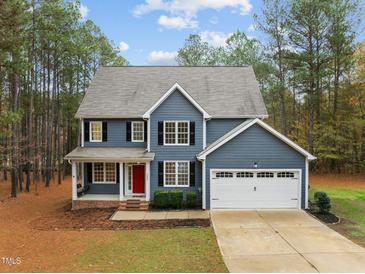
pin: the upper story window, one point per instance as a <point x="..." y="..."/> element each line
<point x="96" y="131"/>
<point x="176" y="132"/>
<point x="138" y="131"/>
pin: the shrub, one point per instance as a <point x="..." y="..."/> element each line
<point x="176" y="198"/>
<point x="322" y="201"/>
<point x="191" y="199"/>
<point x="161" y="199"/>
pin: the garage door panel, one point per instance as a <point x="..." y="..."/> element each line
<point x="255" y="192"/>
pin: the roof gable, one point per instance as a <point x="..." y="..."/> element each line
<point x="175" y="87"/>
<point x="241" y="128"/>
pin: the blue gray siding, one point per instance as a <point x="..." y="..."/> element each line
<point x="255" y="145"/>
<point x="176" y="107"/>
<point x="99" y="188"/>
<point x="216" y="128"/>
<point x="116" y="135"/>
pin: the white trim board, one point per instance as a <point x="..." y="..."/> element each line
<point x="234" y="132"/>
<point x="176" y="86"/>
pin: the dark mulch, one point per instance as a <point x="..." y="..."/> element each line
<point x="327" y="218"/>
<point x="98" y="219"/>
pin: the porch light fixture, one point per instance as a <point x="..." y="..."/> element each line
<point x="255" y="165"/>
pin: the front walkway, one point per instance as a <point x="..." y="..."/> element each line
<point x="283" y="241"/>
<point x="159" y="215"/>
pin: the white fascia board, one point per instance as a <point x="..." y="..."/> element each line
<point x="268" y="128"/>
<point x="147" y="114"/>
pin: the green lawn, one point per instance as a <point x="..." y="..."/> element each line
<point x="347" y="203"/>
<point x="158" y="250"/>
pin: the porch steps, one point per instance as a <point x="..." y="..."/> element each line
<point x="133" y="204"/>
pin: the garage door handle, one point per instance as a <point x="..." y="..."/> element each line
<point x="294" y="199"/>
<point x="215" y="199"/>
<point x="254" y="188"/>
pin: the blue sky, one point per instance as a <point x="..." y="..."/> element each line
<point x="149" y="32"/>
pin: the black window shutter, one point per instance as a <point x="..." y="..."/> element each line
<point x="145" y="131"/>
<point x="129" y="131"/>
<point x="160" y="133"/>
<point x="105" y="131"/>
<point x="192" y="133"/>
<point x="192" y="173"/>
<point x="89" y="171"/>
<point x="117" y="171"/>
<point x="160" y="173"/>
<point x="86" y="131"/>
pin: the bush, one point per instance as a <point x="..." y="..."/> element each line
<point x="161" y="199"/>
<point x="176" y="198"/>
<point x="322" y="201"/>
<point x="191" y="199"/>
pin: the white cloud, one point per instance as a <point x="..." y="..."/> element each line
<point x="84" y="11"/>
<point x="252" y="28"/>
<point x="162" y="57"/>
<point x="177" y="22"/>
<point x="123" y="46"/>
<point x="215" y="38"/>
<point x="191" y="7"/>
<point x="213" y="20"/>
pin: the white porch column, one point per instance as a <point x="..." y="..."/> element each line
<point x="148" y="183"/>
<point x="121" y="181"/>
<point x="74" y="180"/>
<point x="204" y="205"/>
<point x="82" y="174"/>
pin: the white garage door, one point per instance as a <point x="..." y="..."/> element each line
<point x="255" y="189"/>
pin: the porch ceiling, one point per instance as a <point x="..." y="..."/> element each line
<point x="110" y="154"/>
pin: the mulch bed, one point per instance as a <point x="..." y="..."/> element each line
<point x="328" y="218"/>
<point x="98" y="219"/>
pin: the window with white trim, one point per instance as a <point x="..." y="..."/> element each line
<point x="138" y="131"/>
<point x="176" y="132"/>
<point x="285" y="174"/>
<point x="176" y="173"/>
<point x="96" y="131"/>
<point x="265" y="175"/>
<point x="244" y="174"/>
<point x="224" y="174"/>
<point x="104" y="173"/>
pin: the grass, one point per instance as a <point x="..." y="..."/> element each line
<point x="73" y="250"/>
<point x="348" y="202"/>
<point x="162" y="250"/>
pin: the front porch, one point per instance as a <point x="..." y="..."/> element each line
<point x="109" y="177"/>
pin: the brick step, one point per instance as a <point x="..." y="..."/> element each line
<point x="133" y="205"/>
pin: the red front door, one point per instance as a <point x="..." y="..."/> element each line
<point x="138" y="179"/>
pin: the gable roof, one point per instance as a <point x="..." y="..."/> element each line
<point x="129" y="92"/>
<point x="241" y="128"/>
<point x="175" y="87"/>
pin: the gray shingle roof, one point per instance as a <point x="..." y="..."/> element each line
<point x="109" y="154"/>
<point x="126" y="92"/>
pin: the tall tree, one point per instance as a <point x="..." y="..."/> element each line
<point x="274" y="23"/>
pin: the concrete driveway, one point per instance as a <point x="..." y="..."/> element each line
<point x="283" y="241"/>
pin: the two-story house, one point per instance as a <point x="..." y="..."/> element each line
<point x="191" y="128"/>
